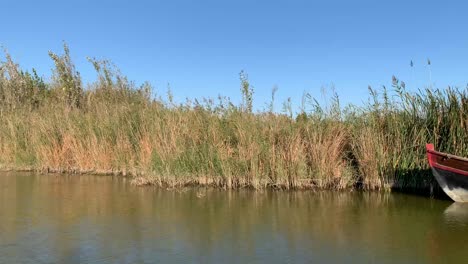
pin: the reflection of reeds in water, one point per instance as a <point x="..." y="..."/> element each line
<point x="116" y="127"/>
<point x="204" y="219"/>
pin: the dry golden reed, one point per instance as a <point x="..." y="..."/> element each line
<point x="115" y="127"/>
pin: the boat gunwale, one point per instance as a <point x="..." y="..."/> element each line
<point x="434" y="164"/>
<point x="443" y="154"/>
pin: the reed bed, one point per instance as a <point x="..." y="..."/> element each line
<point x="113" y="126"/>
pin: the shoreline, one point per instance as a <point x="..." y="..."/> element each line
<point x="171" y="183"/>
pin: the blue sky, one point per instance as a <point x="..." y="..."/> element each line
<point x="199" y="47"/>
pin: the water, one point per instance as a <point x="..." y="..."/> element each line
<point x="92" y="219"/>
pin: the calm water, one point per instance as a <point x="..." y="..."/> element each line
<point x="91" y="219"/>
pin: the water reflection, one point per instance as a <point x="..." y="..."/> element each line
<point x="75" y="219"/>
<point x="457" y="214"/>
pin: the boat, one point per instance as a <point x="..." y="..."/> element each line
<point x="451" y="172"/>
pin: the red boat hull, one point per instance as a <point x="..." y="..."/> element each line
<point x="451" y="172"/>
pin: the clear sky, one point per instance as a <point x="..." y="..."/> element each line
<point x="199" y="47"/>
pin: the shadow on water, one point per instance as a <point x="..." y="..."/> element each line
<point x="418" y="182"/>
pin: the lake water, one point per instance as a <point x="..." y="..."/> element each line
<point x="104" y="219"/>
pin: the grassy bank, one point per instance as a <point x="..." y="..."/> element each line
<point x="114" y="126"/>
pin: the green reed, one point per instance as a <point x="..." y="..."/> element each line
<point x="115" y="126"/>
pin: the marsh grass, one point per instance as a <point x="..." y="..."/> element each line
<point x="115" y="127"/>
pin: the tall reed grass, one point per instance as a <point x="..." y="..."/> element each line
<point x="114" y="126"/>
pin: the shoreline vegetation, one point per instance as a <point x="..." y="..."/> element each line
<point x="112" y="126"/>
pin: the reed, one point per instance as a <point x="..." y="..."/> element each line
<point x="112" y="126"/>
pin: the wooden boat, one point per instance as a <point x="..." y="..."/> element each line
<point x="451" y="172"/>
